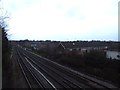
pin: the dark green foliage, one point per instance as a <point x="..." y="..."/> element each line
<point x="73" y="60"/>
<point x="95" y="58"/>
<point x="5" y="47"/>
<point x="6" y="63"/>
<point x="93" y="62"/>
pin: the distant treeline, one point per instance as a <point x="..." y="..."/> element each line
<point x="112" y="45"/>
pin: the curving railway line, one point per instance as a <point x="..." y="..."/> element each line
<point x="40" y="72"/>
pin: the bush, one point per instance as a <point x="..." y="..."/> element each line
<point x="95" y="58"/>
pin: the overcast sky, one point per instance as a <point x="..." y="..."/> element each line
<point x="62" y="19"/>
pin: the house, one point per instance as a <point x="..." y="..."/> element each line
<point x="60" y="48"/>
<point x="68" y="47"/>
<point x="63" y="47"/>
<point x="77" y="48"/>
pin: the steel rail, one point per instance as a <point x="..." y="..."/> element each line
<point x="65" y="80"/>
<point x="27" y="76"/>
<point x="63" y="84"/>
<point x="24" y="72"/>
<point x="41" y="74"/>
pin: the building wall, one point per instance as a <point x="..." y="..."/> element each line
<point x="112" y="54"/>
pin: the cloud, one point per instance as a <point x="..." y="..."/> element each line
<point x="55" y="19"/>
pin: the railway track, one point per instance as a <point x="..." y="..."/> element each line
<point x="64" y="82"/>
<point x="43" y="73"/>
<point x="31" y="75"/>
<point x="67" y="76"/>
<point x="61" y="81"/>
<point x="77" y="74"/>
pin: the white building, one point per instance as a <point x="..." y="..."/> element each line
<point x="113" y="54"/>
